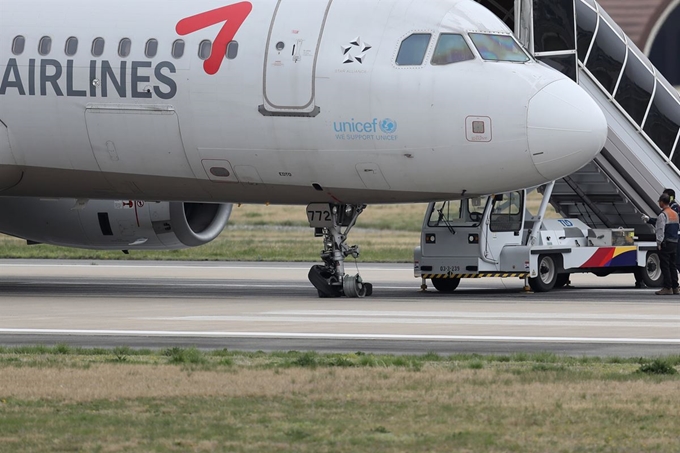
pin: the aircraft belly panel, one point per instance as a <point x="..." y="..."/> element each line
<point x="291" y="54"/>
<point x="144" y="140"/>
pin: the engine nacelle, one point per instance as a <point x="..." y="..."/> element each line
<point x="113" y="225"/>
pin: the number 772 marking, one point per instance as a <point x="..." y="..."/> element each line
<point x="233" y="16"/>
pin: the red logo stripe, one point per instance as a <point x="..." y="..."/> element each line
<point x="233" y="16"/>
<point x="600" y="258"/>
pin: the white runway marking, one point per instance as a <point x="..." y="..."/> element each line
<point x="470" y="314"/>
<point x="331" y="336"/>
<point x="468" y="321"/>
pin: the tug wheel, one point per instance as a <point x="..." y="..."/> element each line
<point x="547" y="275"/>
<point x="651" y="273"/>
<point x="445" y="285"/>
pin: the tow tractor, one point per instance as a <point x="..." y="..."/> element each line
<point x="497" y="236"/>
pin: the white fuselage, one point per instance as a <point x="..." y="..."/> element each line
<point x="311" y="108"/>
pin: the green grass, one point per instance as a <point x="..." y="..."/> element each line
<point x="264" y="243"/>
<point x="63" y="398"/>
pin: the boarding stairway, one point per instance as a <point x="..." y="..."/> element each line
<point x="642" y="155"/>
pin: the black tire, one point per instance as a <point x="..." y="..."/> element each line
<point x="651" y="273"/>
<point x="547" y="274"/>
<point x="320" y="278"/>
<point x="602" y="273"/>
<point x="562" y="280"/>
<point x="445" y="285"/>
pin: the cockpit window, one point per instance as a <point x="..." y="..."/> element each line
<point x="451" y="49"/>
<point x="498" y="48"/>
<point x="413" y="49"/>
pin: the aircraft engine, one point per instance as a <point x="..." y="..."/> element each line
<point x="113" y="225"/>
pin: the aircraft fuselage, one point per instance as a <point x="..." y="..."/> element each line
<point x="291" y="101"/>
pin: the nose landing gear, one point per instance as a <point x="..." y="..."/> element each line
<point x="330" y="279"/>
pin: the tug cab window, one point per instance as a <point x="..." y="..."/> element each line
<point x="446" y="211"/>
<point x="498" y="48"/>
<point x="457" y="212"/>
<point x="451" y="49"/>
<point x="506" y="213"/>
<point x="413" y="49"/>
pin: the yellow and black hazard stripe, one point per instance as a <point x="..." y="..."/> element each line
<point x="480" y="275"/>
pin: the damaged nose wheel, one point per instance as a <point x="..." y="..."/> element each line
<point x="330" y="279"/>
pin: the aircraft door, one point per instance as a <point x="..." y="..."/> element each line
<point x="290" y="58"/>
<point x="504" y="223"/>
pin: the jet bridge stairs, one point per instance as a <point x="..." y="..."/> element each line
<point x="642" y="153"/>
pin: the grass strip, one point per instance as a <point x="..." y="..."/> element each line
<point x="239" y="243"/>
<point x="183" y="399"/>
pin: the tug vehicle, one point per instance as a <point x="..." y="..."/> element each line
<point x="498" y="236"/>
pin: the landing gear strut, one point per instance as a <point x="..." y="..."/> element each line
<point x="330" y="279"/>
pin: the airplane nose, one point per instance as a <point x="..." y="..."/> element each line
<point x="566" y="129"/>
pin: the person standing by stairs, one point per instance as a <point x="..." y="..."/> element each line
<point x="667" y="232"/>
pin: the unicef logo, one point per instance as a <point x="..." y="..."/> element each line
<point x="388" y="126"/>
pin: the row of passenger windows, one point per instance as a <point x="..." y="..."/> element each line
<point x="453" y="48"/>
<point x="124" y="47"/>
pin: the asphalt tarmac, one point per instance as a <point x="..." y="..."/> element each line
<point x="272" y="306"/>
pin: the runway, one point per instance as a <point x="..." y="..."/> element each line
<point x="271" y="306"/>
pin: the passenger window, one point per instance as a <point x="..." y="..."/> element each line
<point x="663" y="121"/>
<point x="446" y="212"/>
<point x="635" y="89"/>
<point x="124" y="47"/>
<point x="204" y="49"/>
<point x="586" y="22"/>
<point x="413" y="49"/>
<point x="506" y="214"/>
<point x="232" y="50"/>
<point x="97" y="47"/>
<point x="45" y="45"/>
<point x="178" y="49"/>
<point x="151" y="48"/>
<point x="606" y="58"/>
<point x="71" y="46"/>
<point x="451" y="49"/>
<point x="498" y="48"/>
<point x="18" y="45"/>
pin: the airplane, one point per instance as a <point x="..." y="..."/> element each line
<point x="332" y="104"/>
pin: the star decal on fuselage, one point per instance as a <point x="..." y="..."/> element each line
<point x="358" y="47"/>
